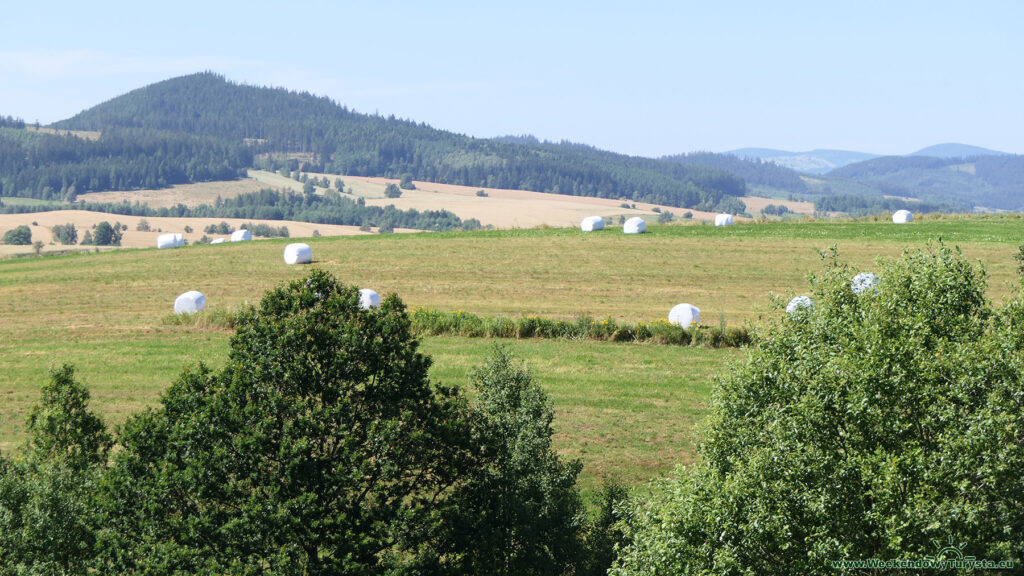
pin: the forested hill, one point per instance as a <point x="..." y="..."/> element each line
<point x="990" y="181"/>
<point x="338" y="140"/>
<point x="754" y="172"/>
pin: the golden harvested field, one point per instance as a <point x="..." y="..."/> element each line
<point x="756" y="204"/>
<point x="501" y="208"/>
<point x="190" y="195"/>
<point x="84" y="220"/>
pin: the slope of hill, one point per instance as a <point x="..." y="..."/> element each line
<point x="818" y="161"/>
<point x="754" y="172"/>
<point x="277" y="122"/>
<point x="985" y="181"/>
<point x="954" y="150"/>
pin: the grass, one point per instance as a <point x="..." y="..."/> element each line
<point x="628" y="410"/>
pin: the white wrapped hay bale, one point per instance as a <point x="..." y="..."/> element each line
<point x="684" y="315"/>
<point x="241" y="236"/>
<point x="634" y="225"/>
<point x="189" y="303"/>
<point x="902" y="217"/>
<point x="218" y="240"/>
<point x="723" y="220"/>
<point x="170" y="241"/>
<point x="591" y="223"/>
<point x="368" y="299"/>
<point x="863" y="282"/>
<point x="298" y="253"/>
<point x="799" y="304"/>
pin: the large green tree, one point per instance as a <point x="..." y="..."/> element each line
<point x="871" y="426"/>
<point x="321" y="448"/>
<point x="48" y="496"/>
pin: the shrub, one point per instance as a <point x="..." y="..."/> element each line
<point x="392" y="191"/>
<point x="875" y="427"/>
<point x="482" y="193"/>
<point x="18" y="236"/>
<point x="66" y="234"/>
<point x="406" y="183"/>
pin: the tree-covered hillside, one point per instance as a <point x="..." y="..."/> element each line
<point x="989" y="181"/>
<point x="276" y="121"/>
<point x="57" y="167"/>
<point x="754" y="172"/>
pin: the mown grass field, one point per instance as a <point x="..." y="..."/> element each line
<point x="628" y="410"/>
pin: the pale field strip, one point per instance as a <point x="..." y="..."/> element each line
<point x="84" y="220"/>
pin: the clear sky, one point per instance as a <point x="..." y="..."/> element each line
<point x="639" y="77"/>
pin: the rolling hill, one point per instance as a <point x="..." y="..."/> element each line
<point x="282" y="126"/>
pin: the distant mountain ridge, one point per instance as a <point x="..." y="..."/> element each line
<point x="822" y="161"/>
<point x="818" y="161"/>
<point x="954" y="150"/>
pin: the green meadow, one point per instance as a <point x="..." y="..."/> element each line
<point x="630" y="411"/>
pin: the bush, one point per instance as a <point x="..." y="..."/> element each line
<point x="874" y="427"/>
<point x="482" y="193"/>
<point x="142" y="226"/>
<point x="18" y="236"/>
<point x="406" y="183"/>
<point x="106" y="235"/>
<point x="392" y="191"/>
<point x="66" y="234"/>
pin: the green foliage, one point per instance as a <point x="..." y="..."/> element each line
<point x="392" y="191"/>
<point x="58" y="167"/>
<point x="321" y="448"/>
<point x="265" y="230"/>
<point x="65" y="233"/>
<point x="520" y="512"/>
<point x="142" y="226"/>
<point x="481" y="193"/>
<point x="665" y="217"/>
<point x="48" y="507"/>
<point x="106" y="235"/>
<point x="18" y="236"/>
<point x="460" y="323"/>
<point x="406" y="182"/>
<point x="872" y="427"/>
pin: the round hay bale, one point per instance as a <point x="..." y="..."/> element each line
<point x="368" y="299"/>
<point x="634" y="225"/>
<point x="902" y="217"/>
<point x="684" y="315"/>
<point x="189" y="303"/>
<point x="218" y="240"/>
<point x="863" y="282"/>
<point x="241" y="236"/>
<point x="799" y="304"/>
<point x="723" y="220"/>
<point x="171" y="240"/>
<point x="298" y="253"/>
<point x="591" y="223"/>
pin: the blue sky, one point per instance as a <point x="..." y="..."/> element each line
<point x="645" y="78"/>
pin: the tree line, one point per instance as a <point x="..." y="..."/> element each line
<point x="268" y="204"/>
<point x="58" y="167"/>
